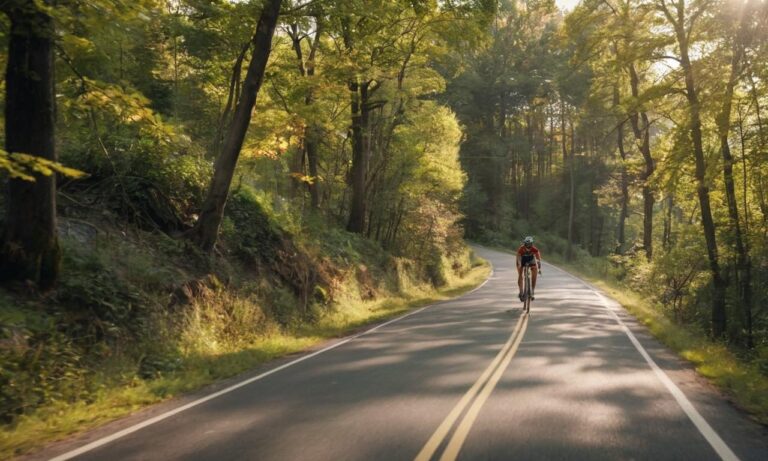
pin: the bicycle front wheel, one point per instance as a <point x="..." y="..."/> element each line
<point x="527" y="298"/>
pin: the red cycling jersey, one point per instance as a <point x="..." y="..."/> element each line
<point x="526" y="251"/>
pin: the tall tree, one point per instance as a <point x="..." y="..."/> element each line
<point x="683" y="22"/>
<point x="307" y="67"/>
<point x="374" y="52"/>
<point x="625" y="28"/>
<point x="740" y="29"/>
<point x="624" y="175"/>
<point x="30" y="248"/>
<point x="641" y="127"/>
<point x="205" y="232"/>
<point x="360" y="110"/>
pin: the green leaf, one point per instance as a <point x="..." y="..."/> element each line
<point x="24" y="166"/>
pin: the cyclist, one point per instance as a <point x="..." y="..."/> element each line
<point x="526" y="255"/>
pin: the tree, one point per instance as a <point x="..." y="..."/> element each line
<point x="376" y="43"/>
<point x="205" y="232"/>
<point x="740" y="31"/>
<point x="307" y="68"/>
<point x="683" y="22"/>
<point x="30" y="248"/>
<point x="505" y="96"/>
<point x="641" y="127"/>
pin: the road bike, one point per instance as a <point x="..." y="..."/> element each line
<point x="527" y="293"/>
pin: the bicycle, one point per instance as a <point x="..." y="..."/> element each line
<point x="527" y="292"/>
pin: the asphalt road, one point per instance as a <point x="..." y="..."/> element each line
<point x="469" y="379"/>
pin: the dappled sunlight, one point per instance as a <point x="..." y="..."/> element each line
<point x="275" y="199"/>
<point x="576" y="381"/>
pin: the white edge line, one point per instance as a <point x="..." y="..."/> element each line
<point x="701" y="424"/>
<point x="136" y="427"/>
<point x="490" y="276"/>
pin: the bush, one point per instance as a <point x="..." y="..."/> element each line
<point x="38" y="364"/>
<point x="435" y="270"/>
<point x="253" y="233"/>
<point x="265" y="246"/>
<point x="220" y="321"/>
<point x="94" y="301"/>
<point x="139" y="165"/>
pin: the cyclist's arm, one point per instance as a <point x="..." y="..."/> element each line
<point x="538" y="259"/>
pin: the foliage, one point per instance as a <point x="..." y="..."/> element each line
<point x="498" y="119"/>
<point x="255" y="233"/>
<point x="40" y="365"/>
<point x="555" y="146"/>
<point x="24" y="166"/>
<point x="137" y="163"/>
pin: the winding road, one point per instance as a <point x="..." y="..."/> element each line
<point x="470" y="379"/>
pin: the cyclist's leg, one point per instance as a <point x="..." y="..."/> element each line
<point x="534" y="273"/>
<point x="520" y="281"/>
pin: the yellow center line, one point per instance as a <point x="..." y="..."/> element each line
<point x="437" y="438"/>
<point x="454" y="446"/>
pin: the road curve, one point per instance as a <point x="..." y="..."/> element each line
<point x="468" y="379"/>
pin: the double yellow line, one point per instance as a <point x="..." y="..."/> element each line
<point x="476" y="395"/>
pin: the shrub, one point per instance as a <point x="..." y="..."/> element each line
<point x="139" y="165"/>
<point x="38" y="364"/>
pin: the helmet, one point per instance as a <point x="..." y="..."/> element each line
<point x="528" y="241"/>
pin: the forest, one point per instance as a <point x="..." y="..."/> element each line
<point x="631" y="132"/>
<point x="187" y="179"/>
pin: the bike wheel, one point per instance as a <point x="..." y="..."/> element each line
<point x="527" y="293"/>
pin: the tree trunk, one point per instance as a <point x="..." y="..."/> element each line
<point x="719" y="320"/>
<point x="563" y="137"/>
<point x="552" y="146"/>
<point x="624" y="186"/>
<point x="234" y="82"/>
<point x="748" y="269"/>
<point x="360" y="117"/>
<point x="206" y="231"/>
<point x="571" y="204"/>
<point x="312" y="132"/>
<point x="571" y="194"/>
<point x="297" y="166"/>
<point x="296" y="163"/>
<point x="667" y="237"/>
<point x="312" y="162"/>
<point x="528" y="167"/>
<point x="744" y="269"/>
<point x="641" y="128"/>
<point x="599" y="246"/>
<point x="30" y="247"/>
<point x="398" y="221"/>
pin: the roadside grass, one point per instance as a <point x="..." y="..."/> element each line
<point x="359" y="314"/>
<point x="62" y="419"/>
<point x="202" y="366"/>
<point x="743" y="383"/>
